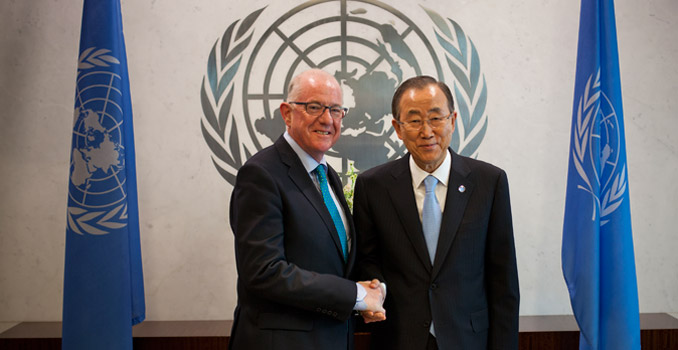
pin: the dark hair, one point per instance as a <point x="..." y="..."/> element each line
<point x="418" y="83"/>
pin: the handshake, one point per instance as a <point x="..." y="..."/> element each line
<point x="376" y="293"/>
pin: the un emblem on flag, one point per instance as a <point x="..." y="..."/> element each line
<point x="370" y="47"/>
<point x="597" y="150"/>
<point x="97" y="174"/>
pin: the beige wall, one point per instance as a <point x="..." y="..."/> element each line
<point x="527" y="49"/>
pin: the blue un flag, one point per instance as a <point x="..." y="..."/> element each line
<point x="597" y="252"/>
<point x="103" y="280"/>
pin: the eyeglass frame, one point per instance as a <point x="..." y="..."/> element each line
<point x="408" y="124"/>
<point x="324" y="107"/>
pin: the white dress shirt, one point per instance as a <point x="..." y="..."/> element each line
<point x="443" y="176"/>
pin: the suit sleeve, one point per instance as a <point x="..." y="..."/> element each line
<point x="256" y="217"/>
<point x="368" y="258"/>
<point x="502" y="272"/>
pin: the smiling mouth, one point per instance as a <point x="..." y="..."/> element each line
<point x="322" y="132"/>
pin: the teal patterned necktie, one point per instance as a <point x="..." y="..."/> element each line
<point x="332" y="208"/>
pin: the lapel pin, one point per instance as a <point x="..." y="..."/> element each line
<point x="462" y="188"/>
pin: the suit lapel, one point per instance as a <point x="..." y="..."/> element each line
<point x="455" y="205"/>
<point x="402" y="198"/>
<point x="302" y="180"/>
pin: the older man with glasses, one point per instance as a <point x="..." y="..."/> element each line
<point x="295" y="243"/>
<point x="436" y="228"/>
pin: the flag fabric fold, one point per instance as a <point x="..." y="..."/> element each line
<point x="103" y="280"/>
<point x="597" y="249"/>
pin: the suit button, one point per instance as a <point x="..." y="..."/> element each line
<point x="318" y="309"/>
<point x="334" y="314"/>
<point x="427" y="324"/>
<point x="433" y="286"/>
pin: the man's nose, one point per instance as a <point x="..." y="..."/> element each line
<point x="325" y="116"/>
<point x="426" y="130"/>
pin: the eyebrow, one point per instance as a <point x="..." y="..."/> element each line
<point x="320" y="103"/>
<point x="418" y="112"/>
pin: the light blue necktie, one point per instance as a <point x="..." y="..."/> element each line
<point x="332" y="208"/>
<point x="431" y="216"/>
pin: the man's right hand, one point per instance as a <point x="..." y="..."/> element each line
<point x="375" y="301"/>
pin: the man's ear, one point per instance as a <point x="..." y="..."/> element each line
<point x="454" y="119"/>
<point x="396" y="126"/>
<point x="286" y="113"/>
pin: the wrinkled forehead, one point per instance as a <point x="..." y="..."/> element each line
<point x="324" y="89"/>
<point x="423" y="101"/>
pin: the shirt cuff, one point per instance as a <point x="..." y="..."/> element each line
<point x="360" y="303"/>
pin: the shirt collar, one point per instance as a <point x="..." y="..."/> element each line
<point x="309" y="163"/>
<point x="442" y="173"/>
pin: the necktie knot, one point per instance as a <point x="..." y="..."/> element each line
<point x="322" y="174"/>
<point x="430" y="182"/>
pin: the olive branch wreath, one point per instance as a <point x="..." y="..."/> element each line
<point x="80" y="219"/>
<point x="470" y="91"/>
<point x="219" y="129"/>
<point x="85" y="218"/>
<point x="89" y="59"/>
<point x="588" y="107"/>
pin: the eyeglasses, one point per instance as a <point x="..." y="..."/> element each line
<point x="416" y="124"/>
<point x="316" y="109"/>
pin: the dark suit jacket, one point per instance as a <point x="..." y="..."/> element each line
<point x="293" y="291"/>
<point x="471" y="291"/>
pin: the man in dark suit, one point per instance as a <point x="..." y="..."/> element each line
<point x="294" y="236"/>
<point x="436" y="228"/>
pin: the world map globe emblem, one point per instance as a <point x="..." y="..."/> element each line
<point x="368" y="70"/>
<point x="369" y="46"/>
<point x="97" y="179"/>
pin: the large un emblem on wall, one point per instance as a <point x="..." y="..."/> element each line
<point x="370" y="47"/>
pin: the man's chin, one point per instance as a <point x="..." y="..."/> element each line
<point x="323" y="144"/>
<point x="428" y="162"/>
